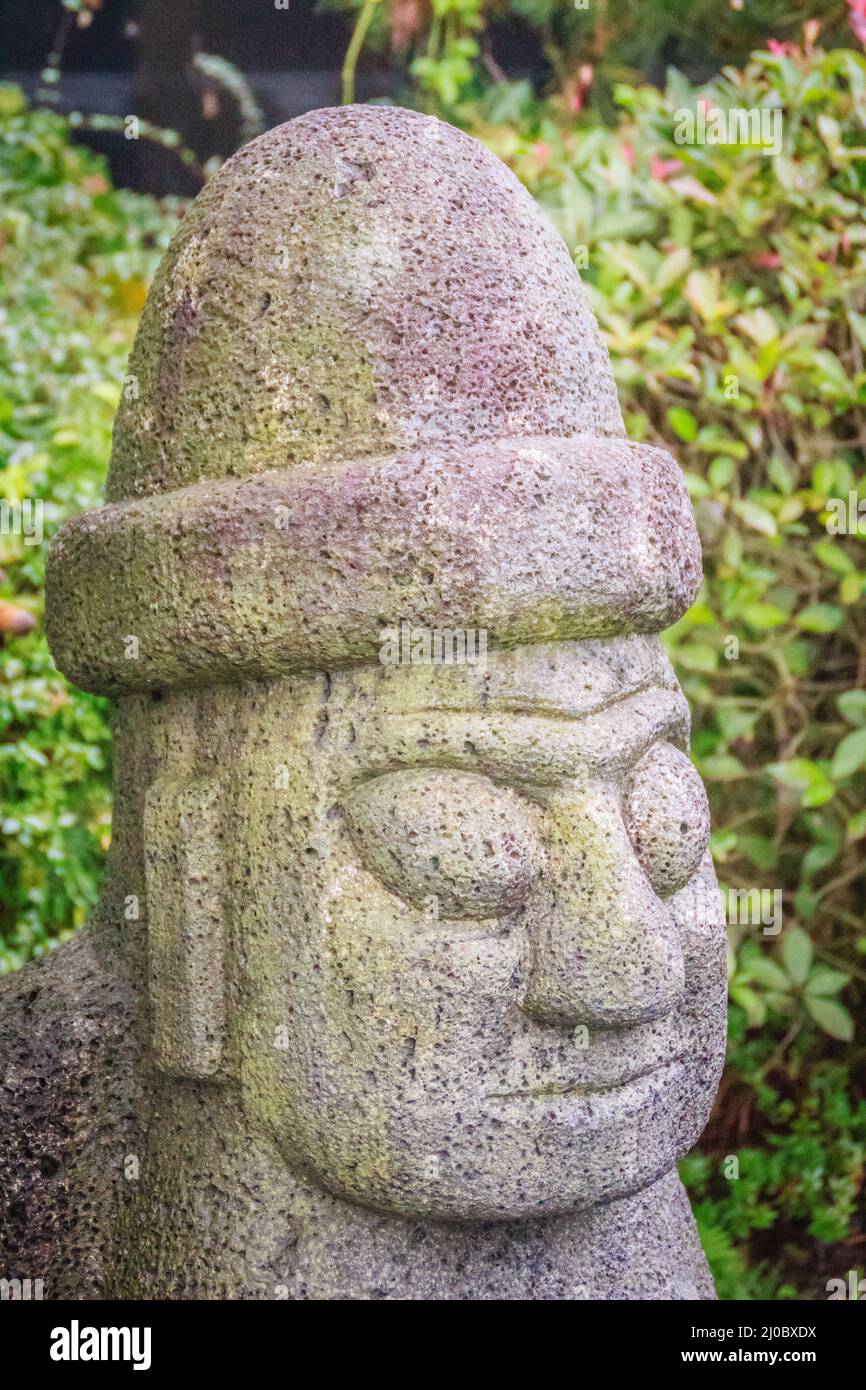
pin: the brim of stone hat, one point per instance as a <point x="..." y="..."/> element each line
<point x="530" y="540"/>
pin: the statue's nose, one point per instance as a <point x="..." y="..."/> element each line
<point x="603" y="948"/>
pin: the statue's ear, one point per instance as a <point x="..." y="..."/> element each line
<point x="184" y="874"/>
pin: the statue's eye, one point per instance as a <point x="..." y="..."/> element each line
<point x="445" y="835"/>
<point x="667" y="818"/>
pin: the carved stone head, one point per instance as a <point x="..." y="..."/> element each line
<point x="447" y="926"/>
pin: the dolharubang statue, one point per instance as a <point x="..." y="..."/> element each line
<point x="407" y="977"/>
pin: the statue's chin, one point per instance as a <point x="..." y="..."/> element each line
<point x="530" y="1155"/>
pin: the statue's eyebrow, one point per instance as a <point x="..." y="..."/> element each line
<point x="554" y="739"/>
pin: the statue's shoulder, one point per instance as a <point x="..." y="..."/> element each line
<point x="66" y="1077"/>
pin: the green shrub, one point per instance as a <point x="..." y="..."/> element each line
<point x="730" y="285"/>
<point x="578" y="48"/>
<point x="794" y="1199"/>
<point x="75" y="256"/>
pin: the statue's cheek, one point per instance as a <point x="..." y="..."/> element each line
<point x="667" y="817"/>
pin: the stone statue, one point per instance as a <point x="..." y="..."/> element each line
<point x="407" y="978"/>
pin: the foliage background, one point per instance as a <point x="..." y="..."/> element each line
<point x="730" y="285"/>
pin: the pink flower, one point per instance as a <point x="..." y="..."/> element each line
<point x="541" y="151"/>
<point x="628" y="153"/>
<point x="580" y="88"/>
<point x="663" y="168"/>
<point x="779" y="48"/>
<point x="857" y="18"/>
<point x="767" y="260"/>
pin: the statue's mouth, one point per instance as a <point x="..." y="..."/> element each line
<point x="568" y="1090"/>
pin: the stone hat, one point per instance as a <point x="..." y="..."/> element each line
<point x="366" y="387"/>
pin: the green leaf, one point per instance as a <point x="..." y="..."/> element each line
<point x="762" y="616"/>
<point x="721" y="472"/>
<point x="851" y="704"/>
<point x="823" y="981"/>
<point x="806" y="777"/>
<point x="759" y="325"/>
<point x="850" y="755"/>
<point x="755" y="517"/>
<point x="683" y="423"/>
<point x="754" y="1006"/>
<point x="732" y="549"/>
<point x="858" y="326"/>
<point x="851" y="588"/>
<point x="832" y="1018"/>
<point x="721" y="767"/>
<point x="782" y="1003"/>
<point x="722" y="845"/>
<point x="819" y="856"/>
<point x="780" y="475"/>
<point x="797" y="955"/>
<point x="820" y="617"/>
<point x="819" y="793"/>
<point x="673" y="268"/>
<point x="703" y="289"/>
<point x="798" y="655"/>
<point x="833" y="557"/>
<point x="767" y="973"/>
<point x="805" y="902"/>
<point x="697" y="656"/>
<point x="760" y="851"/>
